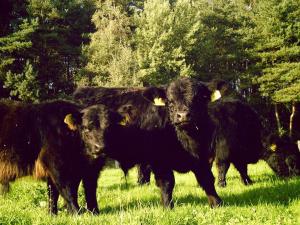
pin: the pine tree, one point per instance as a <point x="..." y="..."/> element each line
<point x="24" y="85"/>
<point x="278" y="49"/>
<point x="15" y="49"/>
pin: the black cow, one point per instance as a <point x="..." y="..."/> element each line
<point x="35" y="139"/>
<point x="156" y="139"/>
<point x="282" y="155"/>
<point x="237" y="137"/>
<point x="237" y="133"/>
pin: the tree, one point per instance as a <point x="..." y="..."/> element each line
<point x="111" y="60"/>
<point x="192" y="38"/>
<point x="278" y="51"/>
<point x="49" y="34"/>
<point x="24" y="85"/>
<point x="15" y="49"/>
<point x="58" y="40"/>
<point x="165" y="33"/>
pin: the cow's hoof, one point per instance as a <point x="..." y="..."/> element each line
<point x="247" y="181"/>
<point x="4" y="189"/>
<point x="214" y="201"/>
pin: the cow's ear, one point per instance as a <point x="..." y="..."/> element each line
<point x="125" y="120"/>
<point x="127" y="114"/>
<point x="73" y="120"/>
<point x="216" y="95"/>
<point x="159" y="101"/>
<point x="218" y="87"/>
<point x="155" y="95"/>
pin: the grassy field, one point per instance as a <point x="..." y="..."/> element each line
<point x="268" y="201"/>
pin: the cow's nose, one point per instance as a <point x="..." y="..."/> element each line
<point x="98" y="148"/>
<point x="183" y="116"/>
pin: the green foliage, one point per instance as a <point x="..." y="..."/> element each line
<point x="14" y="48"/>
<point x="111" y="60"/>
<point x="165" y="34"/>
<point x="281" y="82"/>
<point x="221" y="49"/>
<point x="57" y="43"/>
<point x="278" y="31"/>
<point x="24" y="85"/>
<point x="253" y="44"/>
<point x="50" y="36"/>
<point x="165" y="40"/>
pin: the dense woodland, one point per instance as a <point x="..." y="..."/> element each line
<point x="49" y="47"/>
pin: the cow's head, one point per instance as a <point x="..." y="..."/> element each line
<point x="283" y="156"/>
<point x="185" y="98"/>
<point x="93" y="123"/>
<point x="187" y="101"/>
<point x="282" y="144"/>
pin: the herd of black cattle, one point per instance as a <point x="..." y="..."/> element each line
<point x="161" y="129"/>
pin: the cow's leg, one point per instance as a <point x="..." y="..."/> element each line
<point x="4" y="188"/>
<point x="52" y="197"/>
<point x="242" y="168"/>
<point x="67" y="187"/>
<point x="222" y="167"/>
<point x="165" y="181"/>
<point x="144" y="174"/>
<point x="206" y="180"/>
<point x="89" y="181"/>
<point x="65" y="178"/>
<point x="69" y="192"/>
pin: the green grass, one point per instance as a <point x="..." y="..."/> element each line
<point x="268" y="201"/>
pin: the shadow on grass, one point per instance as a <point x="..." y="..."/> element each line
<point x="263" y="178"/>
<point x="278" y="194"/>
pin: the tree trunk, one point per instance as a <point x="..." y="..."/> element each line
<point x="294" y="129"/>
<point x="277" y="116"/>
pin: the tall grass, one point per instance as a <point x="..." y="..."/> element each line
<point x="268" y="201"/>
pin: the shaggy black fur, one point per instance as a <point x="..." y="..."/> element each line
<point x="236" y="127"/>
<point x="153" y="139"/>
<point x="282" y="156"/>
<point x="237" y="137"/>
<point x="35" y="140"/>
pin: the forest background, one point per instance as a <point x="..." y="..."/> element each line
<point x="49" y="47"/>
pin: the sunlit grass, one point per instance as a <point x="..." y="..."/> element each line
<point x="268" y="201"/>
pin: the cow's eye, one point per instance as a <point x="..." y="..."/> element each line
<point x="171" y="106"/>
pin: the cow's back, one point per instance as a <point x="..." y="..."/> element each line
<point x="238" y="126"/>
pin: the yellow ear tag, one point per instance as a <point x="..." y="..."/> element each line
<point x="215" y="95"/>
<point x="159" y="102"/>
<point x="125" y="120"/>
<point x="69" y="120"/>
<point x="273" y="147"/>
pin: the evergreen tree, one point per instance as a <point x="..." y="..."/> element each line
<point x="24" y="85"/>
<point x="15" y="50"/>
<point x="278" y="48"/>
<point x="49" y="34"/>
<point x="58" y="40"/>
